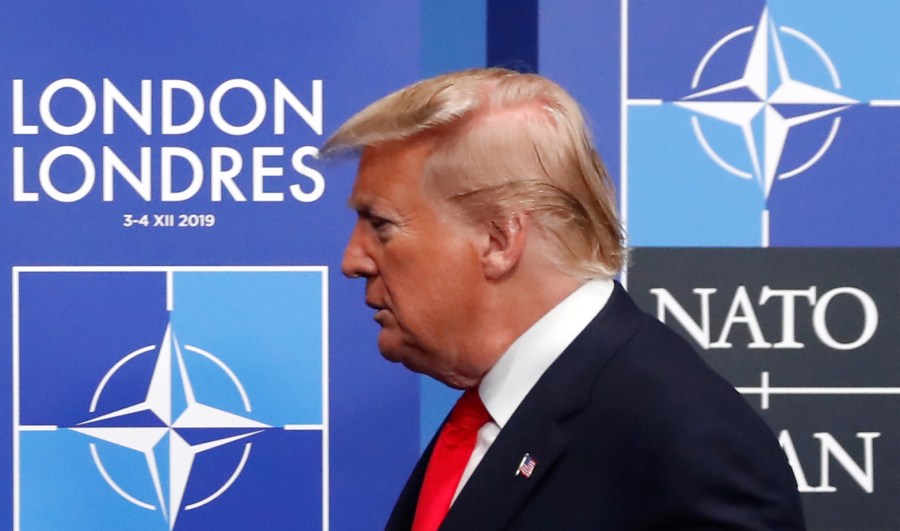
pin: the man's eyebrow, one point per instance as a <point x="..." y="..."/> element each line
<point x="362" y="210"/>
<point x="357" y="205"/>
<point x="368" y="207"/>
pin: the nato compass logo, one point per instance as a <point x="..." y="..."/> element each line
<point x="219" y="423"/>
<point x="766" y="103"/>
<point x="766" y="107"/>
<point x="153" y="430"/>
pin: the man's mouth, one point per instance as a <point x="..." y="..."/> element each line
<point x="380" y="311"/>
<point x="380" y="315"/>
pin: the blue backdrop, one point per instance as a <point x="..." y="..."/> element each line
<point x="159" y="173"/>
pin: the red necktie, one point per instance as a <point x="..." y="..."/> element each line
<point x="448" y="460"/>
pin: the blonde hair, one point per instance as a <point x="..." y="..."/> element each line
<point x="508" y="143"/>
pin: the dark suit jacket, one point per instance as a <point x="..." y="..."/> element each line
<point x="630" y="430"/>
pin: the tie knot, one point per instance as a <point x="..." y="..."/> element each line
<point x="469" y="412"/>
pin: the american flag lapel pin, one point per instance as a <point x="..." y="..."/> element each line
<point x="526" y="466"/>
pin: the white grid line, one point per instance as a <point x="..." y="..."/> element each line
<point x="765" y="390"/>
<point x="15" y="400"/>
<point x="623" y="134"/>
<point x="645" y="102"/>
<point x="325" y="406"/>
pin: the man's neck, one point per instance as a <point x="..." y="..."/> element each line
<point x="516" y="306"/>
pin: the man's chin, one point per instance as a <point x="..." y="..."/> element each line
<point x="390" y="348"/>
<point x="391" y="357"/>
<point x="399" y="353"/>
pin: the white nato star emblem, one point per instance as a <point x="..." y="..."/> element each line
<point x="115" y="427"/>
<point x="769" y="101"/>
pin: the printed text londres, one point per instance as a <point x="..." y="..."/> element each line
<point x="55" y="166"/>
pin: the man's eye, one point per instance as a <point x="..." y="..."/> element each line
<point x="382" y="227"/>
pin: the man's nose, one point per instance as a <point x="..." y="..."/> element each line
<point x="357" y="261"/>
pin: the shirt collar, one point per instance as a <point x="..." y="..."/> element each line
<point x="508" y="382"/>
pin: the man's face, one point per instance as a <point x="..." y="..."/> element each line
<point x="421" y="264"/>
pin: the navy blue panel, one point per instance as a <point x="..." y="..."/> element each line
<point x="512" y="40"/>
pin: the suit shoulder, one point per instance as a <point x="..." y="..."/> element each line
<point x="662" y="381"/>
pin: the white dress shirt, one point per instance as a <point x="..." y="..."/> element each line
<point x="508" y="382"/>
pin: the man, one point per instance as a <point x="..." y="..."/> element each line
<point x="488" y="239"/>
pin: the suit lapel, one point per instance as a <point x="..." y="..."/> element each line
<point x="494" y="493"/>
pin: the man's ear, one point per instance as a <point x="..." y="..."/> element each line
<point x="506" y="243"/>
